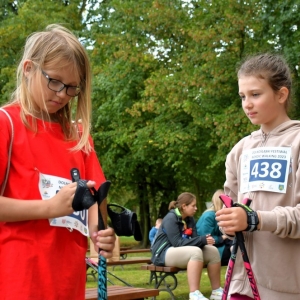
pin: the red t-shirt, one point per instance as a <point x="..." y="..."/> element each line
<point x="39" y="261"/>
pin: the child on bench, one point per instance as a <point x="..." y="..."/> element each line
<point x="177" y="244"/>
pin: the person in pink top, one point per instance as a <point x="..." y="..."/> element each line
<point x="43" y="241"/>
<point x="264" y="167"/>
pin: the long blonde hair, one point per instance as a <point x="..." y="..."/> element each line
<point x="217" y="203"/>
<point x="57" y="47"/>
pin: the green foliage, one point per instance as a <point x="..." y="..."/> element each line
<point x="280" y="25"/>
<point x="166" y="92"/>
<point x="157" y="68"/>
<point x="19" y="19"/>
<point x="166" y="110"/>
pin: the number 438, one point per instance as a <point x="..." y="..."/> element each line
<point x="266" y="169"/>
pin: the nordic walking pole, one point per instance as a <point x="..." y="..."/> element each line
<point x="102" y="223"/>
<point x="238" y="242"/>
<point x="230" y="269"/>
<point x="247" y="265"/>
<point x="228" y="203"/>
<point x="83" y="199"/>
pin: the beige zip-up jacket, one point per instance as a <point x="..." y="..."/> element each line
<point x="274" y="251"/>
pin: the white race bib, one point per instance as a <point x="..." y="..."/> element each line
<point x="265" y="169"/>
<point x="49" y="186"/>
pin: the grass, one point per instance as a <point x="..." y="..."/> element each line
<point x="140" y="278"/>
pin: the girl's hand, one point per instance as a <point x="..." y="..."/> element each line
<point x="224" y="237"/>
<point x="104" y="240"/>
<point x="61" y="204"/>
<point x="210" y="240"/>
<point x="232" y="219"/>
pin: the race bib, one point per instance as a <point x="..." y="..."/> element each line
<point x="265" y="169"/>
<point x="49" y="186"/>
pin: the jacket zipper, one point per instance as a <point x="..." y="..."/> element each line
<point x="156" y="253"/>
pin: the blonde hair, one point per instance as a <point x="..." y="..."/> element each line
<point x="217" y="203"/>
<point x="57" y="47"/>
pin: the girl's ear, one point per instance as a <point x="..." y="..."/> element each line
<point x="283" y="94"/>
<point x="27" y="67"/>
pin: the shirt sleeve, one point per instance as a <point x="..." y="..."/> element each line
<point x="152" y="233"/>
<point x="5" y="138"/>
<point x="93" y="167"/>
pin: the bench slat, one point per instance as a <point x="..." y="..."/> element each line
<point x="129" y="261"/>
<point x="129" y="251"/>
<point x="152" y="267"/>
<point x="116" y="292"/>
<point x="144" y="260"/>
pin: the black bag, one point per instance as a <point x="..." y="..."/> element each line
<point x="226" y="252"/>
<point x="124" y="221"/>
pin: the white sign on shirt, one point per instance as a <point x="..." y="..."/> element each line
<point x="265" y="169"/>
<point x="49" y="186"/>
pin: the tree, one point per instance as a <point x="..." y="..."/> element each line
<point x="165" y="97"/>
<point x="18" y="20"/>
<point x="280" y="25"/>
<point x="166" y="93"/>
<point x="156" y="69"/>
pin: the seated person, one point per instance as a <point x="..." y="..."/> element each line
<point x="177" y="245"/>
<point x="154" y="229"/>
<point x="207" y="224"/>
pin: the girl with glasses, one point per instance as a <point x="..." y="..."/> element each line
<point x="43" y="241"/>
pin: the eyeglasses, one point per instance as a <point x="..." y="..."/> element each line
<point x="57" y="86"/>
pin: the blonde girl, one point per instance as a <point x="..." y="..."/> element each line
<point x="43" y="241"/>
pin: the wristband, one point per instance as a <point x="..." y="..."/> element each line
<point x="252" y="217"/>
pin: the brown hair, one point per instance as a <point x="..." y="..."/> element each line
<point x="172" y="204"/>
<point x="273" y="68"/>
<point x="184" y="198"/>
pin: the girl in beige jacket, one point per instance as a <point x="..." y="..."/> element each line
<point x="264" y="167"/>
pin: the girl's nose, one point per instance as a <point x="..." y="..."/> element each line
<point x="247" y="103"/>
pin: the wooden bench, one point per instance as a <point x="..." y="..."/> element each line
<point x="125" y="248"/>
<point x="116" y="292"/>
<point x="92" y="263"/>
<point x="118" y="255"/>
<point x="124" y="252"/>
<point x="159" y="274"/>
<point x="122" y="262"/>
